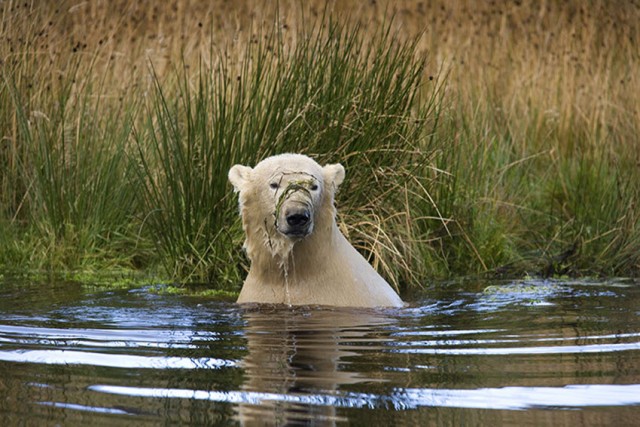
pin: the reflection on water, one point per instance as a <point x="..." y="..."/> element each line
<point x="485" y="398"/>
<point x="302" y="356"/>
<point x="524" y="353"/>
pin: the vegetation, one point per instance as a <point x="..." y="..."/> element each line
<point x="478" y="138"/>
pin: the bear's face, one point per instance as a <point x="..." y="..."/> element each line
<point x="286" y="193"/>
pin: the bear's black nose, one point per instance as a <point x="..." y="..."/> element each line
<point x="298" y="219"/>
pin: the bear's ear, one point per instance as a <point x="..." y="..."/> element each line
<point x="333" y="174"/>
<point x="239" y="175"/>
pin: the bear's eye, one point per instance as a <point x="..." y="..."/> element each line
<point x="274" y="185"/>
<point x="314" y="187"/>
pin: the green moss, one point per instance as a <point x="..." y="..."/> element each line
<point x="522" y="288"/>
<point x="198" y="292"/>
<point x="292" y="187"/>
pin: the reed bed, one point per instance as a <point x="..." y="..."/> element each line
<point x="479" y="138"/>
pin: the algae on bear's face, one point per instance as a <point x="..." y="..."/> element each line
<point x="274" y="188"/>
<point x="292" y="187"/>
<point x="293" y="198"/>
<point x="279" y="244"/>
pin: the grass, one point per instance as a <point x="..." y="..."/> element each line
<point x="72" y="176"/>
<point x="552" y="153"/>
<point x="478" y="139"/>
<point x="317" y="98"/>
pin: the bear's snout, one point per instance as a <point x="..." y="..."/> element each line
<point x="297" y="221"/>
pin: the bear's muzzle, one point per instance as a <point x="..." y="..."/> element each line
<point x="295" y="220"/>
<point x="294" y="210"/>
<point x="298" y="221"/>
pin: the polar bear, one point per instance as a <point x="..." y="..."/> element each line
<point x="298" y="255"/>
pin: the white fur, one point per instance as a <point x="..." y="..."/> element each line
<point x="320" y="268"/>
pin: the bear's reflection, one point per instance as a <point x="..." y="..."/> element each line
<point x="304" y="352"/>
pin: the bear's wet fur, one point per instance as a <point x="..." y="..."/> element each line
<point x="298" y="254"/>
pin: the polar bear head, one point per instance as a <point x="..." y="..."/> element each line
<point x="284" y="199"/>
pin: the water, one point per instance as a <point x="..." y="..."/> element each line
<point x="534" y="353"/>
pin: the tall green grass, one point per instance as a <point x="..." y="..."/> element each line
<point x="68" y="200"/>
<point x="76" y="201"/>
<point x="535" y="198"/>
<point x="500" y="164"/>
<point x="332" y="96"/>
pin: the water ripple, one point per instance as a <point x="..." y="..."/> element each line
<point x="508" y="398"/>
<point x="566" y="349"/>
<point x="85" y="408"/>
<point x="71" y="357"/>
<point x="176" y="360"/>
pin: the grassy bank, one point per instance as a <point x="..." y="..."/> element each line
<point x="477" y="139"/>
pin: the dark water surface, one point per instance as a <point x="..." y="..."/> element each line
<point x="530" y="353"/>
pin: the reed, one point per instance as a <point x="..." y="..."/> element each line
<point x="544" y="162"/>
<point x="330" y="96"/>
<point x="75" y="197"/>
<point x="511" y="150"/>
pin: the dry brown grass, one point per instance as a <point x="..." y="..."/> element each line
<point x="572" y="60"/>
<point x="548" y="80"/>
